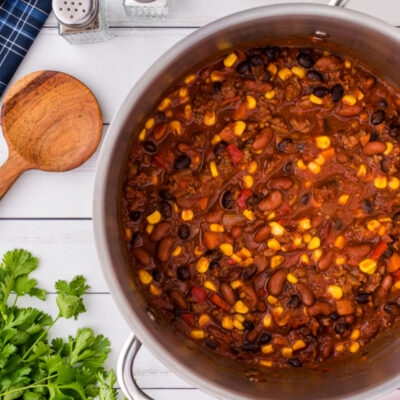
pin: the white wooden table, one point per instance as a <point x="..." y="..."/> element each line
<point x="50" y="214"/>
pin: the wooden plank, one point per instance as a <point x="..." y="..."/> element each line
<point x="198" y="13"/>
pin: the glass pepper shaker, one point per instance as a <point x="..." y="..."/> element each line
<point x="146" y="9"/>
<point x="82" y="21"/>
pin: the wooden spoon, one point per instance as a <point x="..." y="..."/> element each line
<point x="51" y="121"/>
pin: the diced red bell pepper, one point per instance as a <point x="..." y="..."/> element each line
<point x="199" y="294"/>
<point x="379" y="250"/>
<point x="244" y="195"/>
<point x="231" y="262"/>
<point x="234" y="153"/>
<point x="188" y="318"/>
<point x="394" y="262"/>
<point x="396" y="275"/>
<point x="284" y="209"/>
<point x="220" y="302"/>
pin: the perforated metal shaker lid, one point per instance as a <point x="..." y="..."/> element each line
<point x="76" y="14"/>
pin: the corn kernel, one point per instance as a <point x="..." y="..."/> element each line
<point x="230" y="59"/>
<point x="271" y="215"/>
<point x="248" y="214"/>
<point x="287" y="352"/>
<point x="145" y="277"/>
<point x="339" y="348"/>
<point x="227" y="323"/>
<point x="335" y="291"/>
<point x="314" y="243"/>
<point x="149" y="123"/>
<point x="142" y="135"/>
<point x="380" y="182"/>
<point x="291" y="278"/>
<point x="373" y="225"/>
<point x="368" y="266"/>
<point x="183" y="92"/>
<point x="216" y="139"/>
<point x="307" y="238"/>
<point x="362" y="170"/>
<point x="300" y="72"/>
<point x="210" y="286"/>
<point x="317" y="254"/>
<point x="239" y="127"/>
<point x="272" y="68"/>
<point x="298" y="345"/>
<point x="301" y="165"/>
<point x="240" y="307"/>
<point x="343" y="199"/>
<point x="149" y="228"/>
<point x="270" y="95"/>
<point x="154" y="218"/>
<point x="188" y="112"/>
<point x="209" y="118"/>
<point x="284" y="73"/>
<point x="273" y="244"/>
<point x="276" y="228"/>
<point x="340" y="241"/>
<point x="278" y="311"/>
<point x="314" y="167"/>
<point x="217" y="76"/>
<point x="266" y="363"/>
<point x="389" y="148"/>
<point x="236" y="258"/>
<point x="251" y="102"/>
<point x="305" y="223"/>
<point x="323" y="142"/>
<point x="177" y="251"/>
<point x="304" y="259"/>
<point x="236" y="284"/>
<point x="394" y="183"/>
<point x="204" y="320"/>
<point x="354" y="347"/>
<point x="189" y="78"/>
<point x="198" y="334"/>
<point x="355" y="334"/>
<point x="349" y="100"/>
<point x="198" y="251"/>
<point x="128" y="234"/>
<point x="187" y="215"/>
<point x="315" y="99"/>
<point x="396" y="286"/>
<point x="320" y="160"/>
<point x="226" y="248"/>
<point x="216" y="228"/>
<point x="165" y="103"/>
<point x="244" y="253"/>
<point x="238" y="325"/>
<point x="247" y="262"/>
<point x="176" y="127"/>
<point x="276" y="261"/>
<point x="248" y="181"/>
<point x="347" y="64"/>
<point x="213" y="169"/>
<point x="252" y="167"/>
<point x="340" y="260"/>
<point x="154" y="290"/>
<point x="202" y="265"/>
<point x="267" y="321"/>
<point x="298" y="239"/>
<point x="272" y="300"/>
<point x="267" y="349"/>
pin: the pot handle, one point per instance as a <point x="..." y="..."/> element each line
<point x="338" y="3"/>
<point x="126" y="361"/>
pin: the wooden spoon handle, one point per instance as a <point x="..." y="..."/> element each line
<point x="11" y="170"/>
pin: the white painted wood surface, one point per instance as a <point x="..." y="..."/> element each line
<point x="50" y="214"/>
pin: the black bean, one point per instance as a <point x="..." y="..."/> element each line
<point x="156" y="274"/>
<point x="160" y="117"/>
<point x="184" y="231"/>
<point x="214" y="254"/>
<point x="305" y="199"/>
<point x="338" y="224"/>
<point x="374" y="136"/>
<point x="165" y="195"/>
<point x="253" y="200"/>
<point x="272" y="53"/>
<point x="337" y="92"/>
<point x="341" y="327"/>
<point x="321" y="91"/>
<point x="182" y="162"/>
<point x="149" y="146"/>
<point x="383" y="164"/>
<point x="334" y="316"/>
<point x="211" y="344"/>
<point x="165" y="209"/>
<point x="377" y="117"/>
<point x="243" y="67"/>
<point x="383" y="103"/>
<point x="392" y="309"/>
<point x="251" y="347"/>
<point x="396" y="217"/>
<point x="183" y="273"/>
<point x="220" y="147"/>
<point x="367" y="206"/>
<point x="248" y="325"/>
<point x="135" y="215"/>
<point x="265" y="338"/>
<point x="249" y="272"/>
<point x="267" y="76"/>
<point x="362" y="298"/>
<point x="217" y="86"/>
<point x="250" y="76"/>
<point x="214" y="265"/>
<point x="136" y="238"/>
<point x="395" y="131"/>
<point x="255" y="61"/>
<point x="305" y="60"/>
<point x="294" y="301"/>
<point x="288" y="168"/>
<point x="300" y="146"/>
<point x="388" y="252"/>
<point x="281" y="146"/>
<point x="314" y="75"/>
<point x="234" y="349"/>
<point x="294" y="362"/>
<point x="227" y="200"/>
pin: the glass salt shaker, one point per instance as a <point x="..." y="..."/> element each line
<point x="82" y="21"/>
<point x="146" y="9"/>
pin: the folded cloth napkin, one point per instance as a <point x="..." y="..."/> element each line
<point x="20" y="23"/>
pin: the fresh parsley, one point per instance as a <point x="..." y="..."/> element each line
<point x="31" y="368"/>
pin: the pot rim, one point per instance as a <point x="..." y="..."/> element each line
<point x="106" y="158"/>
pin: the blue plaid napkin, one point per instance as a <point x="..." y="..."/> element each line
<point x="20" y="23"/>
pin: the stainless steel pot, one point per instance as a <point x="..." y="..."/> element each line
<point x="371" y="41"/>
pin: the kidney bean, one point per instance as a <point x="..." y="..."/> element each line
<point x="282" y="182"/>
<point x="306" y="295"/>
<point x="320" y="308"/>
<point x="159" y="231"/>
<point x="236" y="231"/>
<point x="248" y="295"/>
<point x="262" y="139"/>
<point x="262" y="234"/>
<point x="142" y="256"/>
<point x="316" y="220"/>
<point x="272" y="201"/>
<point x="374" y="147"/>
<point x="215" y="217"/>
<point x="211" y="240"/>
<point x="326" y="260"/>
<point x="328" y="63"/>
<point x="356" y="253"/>
<point x="369" y="329"/>
<point x="276" y="282"/>
<point x="344" y="307"/>
<point x="227" y="293"/>
<point x="164" y="248"/>
<point x="383" y="290"/>
<point x="349" y="111"/>
<point x="178" y="299"/>
<point x="325" y="346"/>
